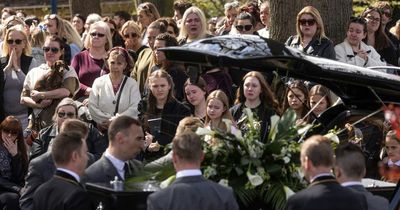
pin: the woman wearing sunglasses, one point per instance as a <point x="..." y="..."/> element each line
<point x="244" y="24"/>
<point x="13" y="162"/>
<point x="90" y="64"/>
<point x="44" y="103"/>
<point x="130" y="32"/>
<point x="15" y="64"/>
<point x="311" y="38"/>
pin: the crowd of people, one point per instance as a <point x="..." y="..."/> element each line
<point x="104" y="80"/>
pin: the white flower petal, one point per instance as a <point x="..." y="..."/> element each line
<point x="255" y="179"/>
<point x="289" y="192"/>
<point x="167" y="182"/>
<point x="203" y="131"/>
<point x="304" y="129"/>
<point x="223" y="182"/>
<point x="333" y="137"/>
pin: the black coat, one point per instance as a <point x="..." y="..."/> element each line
<point x="321" y="48"/>
<point x="18" y="173"/>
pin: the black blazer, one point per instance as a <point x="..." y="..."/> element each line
<point x="62" y="192"/>
<point x="327" y="194"/>
<point x="321" y="48"/>
<point x="374" y="202"/>
<point x="195" y="193"/>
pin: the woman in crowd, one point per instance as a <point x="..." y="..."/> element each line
<point x="218" y="110"/>
<point x="130" y="32"/>
<point x="116" y="38"/>
<point x="172" y="28"/>
<point x="44" y="102"/>
<point x="15" y="64"/>
<point x="13" y="162"/>
<point x="311" y="38"/>
<point x="297" y="100"/>
<point x="90" y="19"/>
<point x="319" y="99"/>
<point x="244" y="24"/>
<point x="37" y="38"/>
<point x="6" y="24"/>
<point x="377" y="38"/>
<point x="147" y="13"/>
<point x="193" y="26"/>
<point x="90" y="64"/>
<point x="114" y="94"/>
<point x="163" y="111"/>
<point x="395" y="30"/>
<point x="353" y="50"/>
<point x="64" y="29"/>
<point x="256" y="95"/>
<point x="177" y="71"/>
<point x="231" y="10"/>
<point x="195" y="95"/>
<point x="78" y="21"/>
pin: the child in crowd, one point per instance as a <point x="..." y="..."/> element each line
<point x="217" y="110"/>
<point x="390" y="166"/>
<point x="319" y="99"/>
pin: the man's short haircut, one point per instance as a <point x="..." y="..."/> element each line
<point x="64" y="145"/>
<point x="318" y="150"/>
<point x="121" y="124"/>
<point x="187" y="146"/>
<point x="181" y="6"/>
<point x="75" y="125"/>
<point x="123" y="15"/>
<point x="351" y="160"/>
<point x="170" y="41"/>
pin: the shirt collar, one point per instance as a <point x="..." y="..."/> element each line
<point x="75" y="175"/>
<point x="391" y="163"/>
<point x="320" y="175"/>
<point x="118" y="164"/>
<point x="351" y="183"/>
<point x="188" y="172"/>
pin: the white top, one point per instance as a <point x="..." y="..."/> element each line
<point x="102" y="99"/>
<point x="345" y="54"/>
<point x="189" y="172"/>
<point x="117" y="163"/>
<point x="75" y="175"/>
<point x="263" y="32"/>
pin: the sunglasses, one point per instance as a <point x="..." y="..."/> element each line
<point x="130" y="35"/>
<point x="52" y="49"/>
<point x="94" y="34"/>
<point x="68" y="114"/>
<point x="9" y="131"/>
<point x="17" y="41"/>
<point x="309" y="22"/>
<point x="244" y="27"/>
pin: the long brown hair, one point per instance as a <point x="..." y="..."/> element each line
<point x="267" y="97"/>
<point x="13" y="124"/>
<point x="152" y="101"/>
<point x="297" y="84"/>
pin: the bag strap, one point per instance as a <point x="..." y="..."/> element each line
<point x="119" y="94"/>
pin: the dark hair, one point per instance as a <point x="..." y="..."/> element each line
<point x="169" y="40"/>
<point x="123" y="15"/>
<point x="80" y="17"/>
<point x="128" y="59"/>
<point x="321" y="91"/>
<point x="171" y="22"/>
<point x="187" y="146"/>
<point x="245" y="16"/>
<point x="32" y="19"/>
<point x="121" y="124"/>
<point x="351" y="160"/>
<point x="13" y="124"/>
<point x="60" y="41"/>
<point x="159" y="24"/>
<point x="358" y="20"/>
<point x="64" y="145"/>
<point x="381" y="39"/>
<point x="181" y="6"/>
<point x="297" y="84"/>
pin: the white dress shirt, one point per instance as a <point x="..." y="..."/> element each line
<point x="189" y="172"/>
<point x="117" y="163"/>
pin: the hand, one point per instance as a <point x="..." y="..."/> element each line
<point x="154" y="147"/>
<point x="87" y="91"/>
<point x="36" y="95"/>
<point x="105" y="124"/>
<point x="11" y="146"/>
<point x="362" y="54"/>
<point x="148" y="139"/>
<point x="45" y="103"/>
<point x="85" y="102"/>
<point x="14" y="59"/>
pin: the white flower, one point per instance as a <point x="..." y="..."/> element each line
<point x="210" y="172"/>
<point x="228" y="124"/>
<point x="249" y="114"/>
<point x="237" y="133"/>
<point x="223" y="182"/>
<point x="167" y="182"/>
<point x="333" y="137"/>
<point x="286" y="159"/>
<point x="274" y="121"/>
<point x="203" y="131"/>
<point x="289" y="192"/>
<point x="255" y="179"/>
<point x="304" y="129"/>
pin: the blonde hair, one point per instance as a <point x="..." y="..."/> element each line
<point x="18" y="28"/>
<point x="71" y="35"/>
<point x="221" y="96"/>
<point x="310" y="10"/>
<point x="37" y="37"/>
<point x="183" y="33"/>
<point x="104" y="25"/>
<point x="130" y="24"/>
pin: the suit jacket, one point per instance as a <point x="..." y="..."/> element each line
<point x="318" y="47"/>
<point x="374" y="202"/>
<point x="103" y="171"/>
<point x="62" y="192"/>
<point x="195" y="193"/>
<point x="327" y="194"/>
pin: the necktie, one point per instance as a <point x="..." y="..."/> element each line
<point x="126" y="170"/>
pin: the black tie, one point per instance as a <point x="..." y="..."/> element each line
<point x="126" y="170"/>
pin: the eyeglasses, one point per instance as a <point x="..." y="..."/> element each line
<point x="130" y="35"/>
<point x="94" y="34"/>
<point x="309" y="22"/>
<point x="9" y="131"/>
<point x="370" y="18"/>
<point x="52" y="49"/>
<point x="16" y="41"/>
<point x="244" y="27"/>
<point x="68" y="114"/>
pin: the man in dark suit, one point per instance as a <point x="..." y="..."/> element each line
<point x="64" y="191"/>
<point x="350" y="169"/>
<point x="324" y="192"/>
<point x="126" y="140"/>
<point x="42" y="168"/>
<point x="190" y="189"/>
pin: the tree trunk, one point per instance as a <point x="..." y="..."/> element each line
<point x="165" y="7"/>
<point x="335" y="15"/>
<point x="85" y="7"/>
